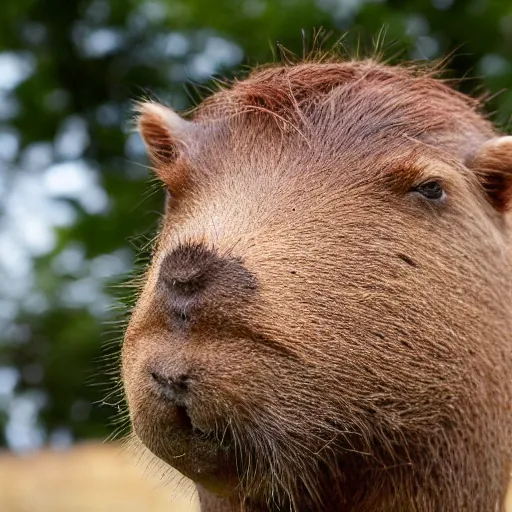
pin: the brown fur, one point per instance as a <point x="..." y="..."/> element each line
<point x="341" y="343"/>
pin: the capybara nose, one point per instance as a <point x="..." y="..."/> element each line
<point x="173" y="387"/>
<point x="185" y="274"/>
<point x="193" y="276"/>
<point x="187" y="270"/>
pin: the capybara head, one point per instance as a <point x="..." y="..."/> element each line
<point x="326" y="322"/>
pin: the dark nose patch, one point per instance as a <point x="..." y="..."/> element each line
<point x="187" y="269"/>
<point x="193" y="276"/>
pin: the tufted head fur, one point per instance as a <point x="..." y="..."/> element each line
<point x="326" y="324"/>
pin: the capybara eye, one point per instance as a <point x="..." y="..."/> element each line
<point x="432" y="190"/>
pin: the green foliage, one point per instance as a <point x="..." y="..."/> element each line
<point x="82" y="63"/>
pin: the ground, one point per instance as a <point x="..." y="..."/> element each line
<point x="88" y="478"/>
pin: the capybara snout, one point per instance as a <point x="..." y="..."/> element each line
<point x="326" y="322"/>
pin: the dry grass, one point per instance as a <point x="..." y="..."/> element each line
<point x="86" y="478"/>
<point x="91" y="478"/>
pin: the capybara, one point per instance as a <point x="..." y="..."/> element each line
<point x="326" y="321"/>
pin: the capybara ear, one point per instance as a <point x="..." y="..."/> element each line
<point x="493" y="165"/>
<point x="167" y="137"/>
<point x="164" y="132"/>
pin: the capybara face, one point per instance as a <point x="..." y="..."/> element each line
<point x="326" y="322"/>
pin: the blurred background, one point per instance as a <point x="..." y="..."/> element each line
<point x="77" y="208"/>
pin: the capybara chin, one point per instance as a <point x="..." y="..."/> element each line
<point x="326" y="322"/>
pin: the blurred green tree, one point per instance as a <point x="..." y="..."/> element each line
<point x="75" y="204"/>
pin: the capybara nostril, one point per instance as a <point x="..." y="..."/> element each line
<point x="173" y="387"/>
